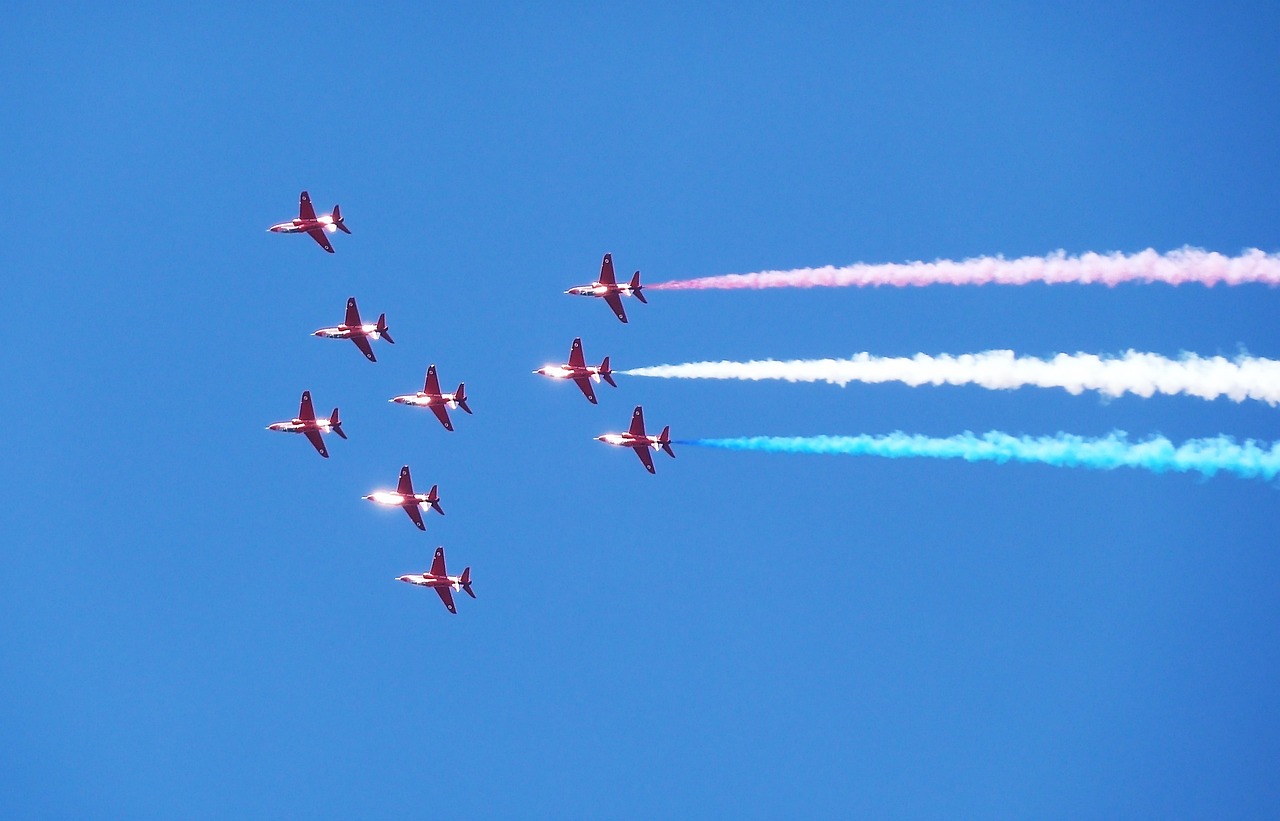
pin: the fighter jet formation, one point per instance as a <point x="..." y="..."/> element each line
<point x="363" y="334"/>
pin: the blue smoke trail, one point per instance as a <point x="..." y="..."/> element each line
<point x="1207" y="456"/>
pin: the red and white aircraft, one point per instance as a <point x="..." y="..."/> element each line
<point x="307" y="424"/>
<point x="442" y="582"/>
<point x="403" y="496"/>
<point x="431" y="397"/>
<point x="315" y="226"/>
<point x="580" y="372"/>
<point x="358" y="332"/>
<point x="609" y="288"/>
<point x="636" y="439"/>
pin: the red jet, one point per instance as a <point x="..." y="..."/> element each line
<point x="358" y="332"/>
<point x="609" y="288"/>
<point x="307" y="423"/>
<point x="580" y="372"/>
<point x="441" y="581"/>
<point x="431" y="397"/>
<point x="315" y="226"/>
<point x="636" y="439"/>
<point x="404" y="497"/>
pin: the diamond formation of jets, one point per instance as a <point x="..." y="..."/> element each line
<point x="636" y="439"/>
<point x="607" y="287"/>
<point x="307" y="424"/>
<point x="443" y="583"/>
<point x="358" y="332"/>
<point x="431" y="397"/>
<point x="404" y="497"/>
<point x="307" y="222"/>
<point x="580" y="372"/>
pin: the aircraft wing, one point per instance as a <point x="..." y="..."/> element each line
<point x="585" y="384"/>
<point x="643" y="452"/>
<point x="437" y="563"/>
<point x="442" y="413"/>
<point x="406" y="482"/>
<point x="446" y="596"/>
<point x="606" y="271"/>
<point x="305" y="411"/>
<point x="317" y="234"/>
<point x="353" y="314"/>
<point x="415" y="513"/>
<point x="305" y="211"/>
<point x="362" y="342"/>
<point x="637" y="422"/>
<point x="576" y="359"/>
<point x="433" y="382"/>
<point x="615" y="302"/>
<point x="318" y="441"/>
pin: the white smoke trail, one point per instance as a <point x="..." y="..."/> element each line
<point x="1143" y="374"/>
<point x="1174" y="268"/>
<point x="1250" y="460"/>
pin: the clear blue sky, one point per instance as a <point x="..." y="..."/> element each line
<point x="199" y="617"/>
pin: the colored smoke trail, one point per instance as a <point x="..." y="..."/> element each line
<point x="1144" y="374"/>
<point x="1206" y="456"/>
<point x="1174" y="268"/>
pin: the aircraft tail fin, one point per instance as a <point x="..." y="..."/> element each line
<point x="335" y="424"/>
<point x="606" y="373"/>
<point x="433" y="499"/>
<point x="465" y="581"/>
<point x="664" y="441"/>
<point x="382" y="328"/>
<point x="460" y="396"/>
<point x="337" y="220"/>
<point x="636" y="288"/>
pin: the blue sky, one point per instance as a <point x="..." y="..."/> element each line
<point x="200" y="617"/>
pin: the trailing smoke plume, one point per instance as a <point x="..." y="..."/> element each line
<point x="1206" y="456"/>
<point x="1143" y="374"/>
<point x="1174" y="268"/>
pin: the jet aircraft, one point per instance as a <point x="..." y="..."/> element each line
<point x="442" y="582"/>
<point x="307" y="424"/>
<point x="580" y="372"/>
<point x="403" y="496"/>
<point x="609" y="288"/>
<point x="308" y="222"/>
<point x="358" y="332"/>
<point x="431" y="397"/>
<point x="636" y="439"/>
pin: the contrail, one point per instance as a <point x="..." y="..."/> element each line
<point x="1251" y="460"/>
<point x="1143" y="374"/>
<point x="1174" y="268"/>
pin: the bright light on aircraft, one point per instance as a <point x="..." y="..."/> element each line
<point x="384" y="497"/>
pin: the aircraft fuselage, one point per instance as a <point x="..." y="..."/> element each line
<point x="428" y="580"/>
<point x="302" y="425"/>
<point x="567" y="372"/>
<point x="600" y="289"/>
<point x="393" y="498"/>
<point x="347" y="331"/>
<point x="297" y="226"/>
<point x="422" y="400"/>
<point x="626" y="440"/>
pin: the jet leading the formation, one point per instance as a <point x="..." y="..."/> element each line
<point x="307" y="424"/>
<point x="358" y="332"/>
<point x="608" y="288"/>
<point x="431" y="397"/>
<point x="636" y="439"/>
<point x="403" y="496"/>
<point x="308" y="222"/>
<point x="580" y="372"/>
<point x="442" y="582"/>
